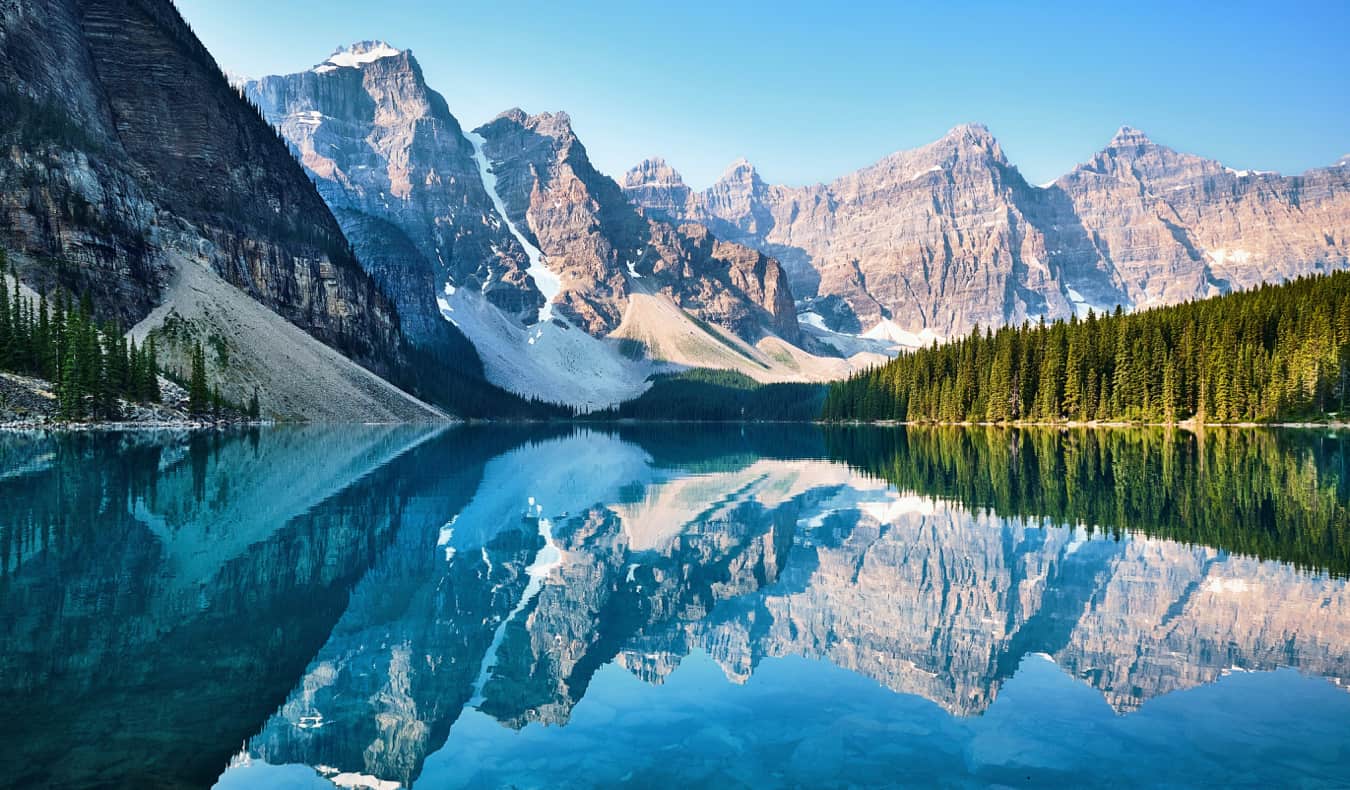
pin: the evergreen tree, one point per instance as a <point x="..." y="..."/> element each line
<point x="198" y="394"/>
<point x="1275" y="352"/>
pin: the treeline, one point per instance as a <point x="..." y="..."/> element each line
<point x="90" y="365"/>
<point x="719" y="396"/>
<point x="1282" y="495"/>
<point x="1278" y="352"/>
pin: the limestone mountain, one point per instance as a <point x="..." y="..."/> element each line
<point x="600" y="246"/>
<point x="134" y="173"/>
<point x="930" y="242"/>
<point x="396" y="169"/>
<point x="509" y="237"/>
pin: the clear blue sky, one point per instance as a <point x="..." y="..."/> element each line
<point x="808" y="91"/>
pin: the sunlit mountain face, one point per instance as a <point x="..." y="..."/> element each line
<point x="778" y="606"/>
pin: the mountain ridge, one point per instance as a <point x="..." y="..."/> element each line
<point x="919" y="239"/>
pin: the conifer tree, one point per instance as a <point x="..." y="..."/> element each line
<point x="198" y="394"/>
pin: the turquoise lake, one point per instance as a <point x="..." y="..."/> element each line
<point x="657" y="606"/>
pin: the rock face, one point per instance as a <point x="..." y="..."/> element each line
<point x="125" y="147"/>
<point x="600" y="247"/>
<point x="393" y="164"/>
<point x="401" y="175"/>
<point x="950" y="235"/>
<point x="1173" y="226"/>
<point x="483" y="238"/>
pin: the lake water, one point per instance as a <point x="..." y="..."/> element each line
<point x="674" y="606"/>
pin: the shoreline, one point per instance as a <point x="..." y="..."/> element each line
<point x="1190" y="425"/>
<point x="26" y="426"/>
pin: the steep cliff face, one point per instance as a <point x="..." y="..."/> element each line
<point x="1174" y="226"/>
<point x="204" y="174"/>
<point x="949" y="235"/>
<point x="600" y="247"/>
<point x="128" y="156"/>
<point x="506" y="239"/>
<point x="393" y="163"/>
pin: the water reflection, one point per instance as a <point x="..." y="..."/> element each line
<point x="480" y="606"/>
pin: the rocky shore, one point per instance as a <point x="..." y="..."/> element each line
<point x="28" y="403"/>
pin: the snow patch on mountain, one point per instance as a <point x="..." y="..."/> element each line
<point x="1081" y="306"/>
<point x="551" y="360"/>
<point x="886" y="329"/>
<point x="357" y="55"/>
<point x="860" y="351"/>
<point x="548" y="283"/>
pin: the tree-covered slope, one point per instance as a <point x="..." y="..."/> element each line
<point x="1278" y="352"/>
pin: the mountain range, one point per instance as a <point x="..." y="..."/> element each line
<point x="931" y="242"/>
<point x="564" y="287"/>
<point x="346" y="249"/>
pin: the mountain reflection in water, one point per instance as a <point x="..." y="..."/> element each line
<point x="768" y="606"/>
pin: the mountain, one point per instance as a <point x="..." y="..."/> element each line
<point x="509" y="234"/>
<point x="394" y="166"/>
<point x="927" y="243"/>
<point x="135" y="174"/>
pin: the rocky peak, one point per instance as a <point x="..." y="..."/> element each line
<point x="596" y="241"/>
<point x="657" y="187"/>
<point x="557" y="125"/>
<point x="1131" y="154"/>
<point x="1129" y="137"/>
<point x="740" y="172"/>
<point x="359" y="54"/>
<point x="653" y="172"/>
<point x="393" y="162"/>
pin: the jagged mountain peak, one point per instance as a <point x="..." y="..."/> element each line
<point x="740" y="171"/>
<point x="359" y="54"/>
<point x="553" y="124"/>
<point x="970" y="132"/>
<point x="652" y="172"/>
<point x="1129" y="137"/>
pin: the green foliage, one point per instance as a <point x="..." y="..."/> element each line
<point x="1279" y="352"/>
<point x="198" y="393"/>
<point x="720" y="396"/>
<point x="1272" y="494"/>
<point x="92" y="367"/>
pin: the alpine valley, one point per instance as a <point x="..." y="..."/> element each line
<point x="347" y="249"/>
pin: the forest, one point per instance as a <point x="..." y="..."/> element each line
<point x="1275" y="353"/>
<point x="709" y="395"/>
<point x="91" y="366"/>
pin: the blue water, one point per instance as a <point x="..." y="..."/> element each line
<point x="644" y="606"/>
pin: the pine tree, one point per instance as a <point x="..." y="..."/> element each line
<point x="198" y="394"/>
<point x="6" y="333"/>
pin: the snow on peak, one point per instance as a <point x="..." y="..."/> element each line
<point x="357" y="55"/>
<point x="1246" y="173"/>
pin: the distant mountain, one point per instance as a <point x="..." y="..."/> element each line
<point x="134" y="173"/>
<point x="930" y="242"/>
<point x="509" y="235"/>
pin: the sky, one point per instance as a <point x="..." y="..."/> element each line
<point x="812" y="90"/>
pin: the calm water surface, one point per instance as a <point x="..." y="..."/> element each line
<point x="768" y="607"/>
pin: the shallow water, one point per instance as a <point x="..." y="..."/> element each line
<point x="771" y="606"/>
